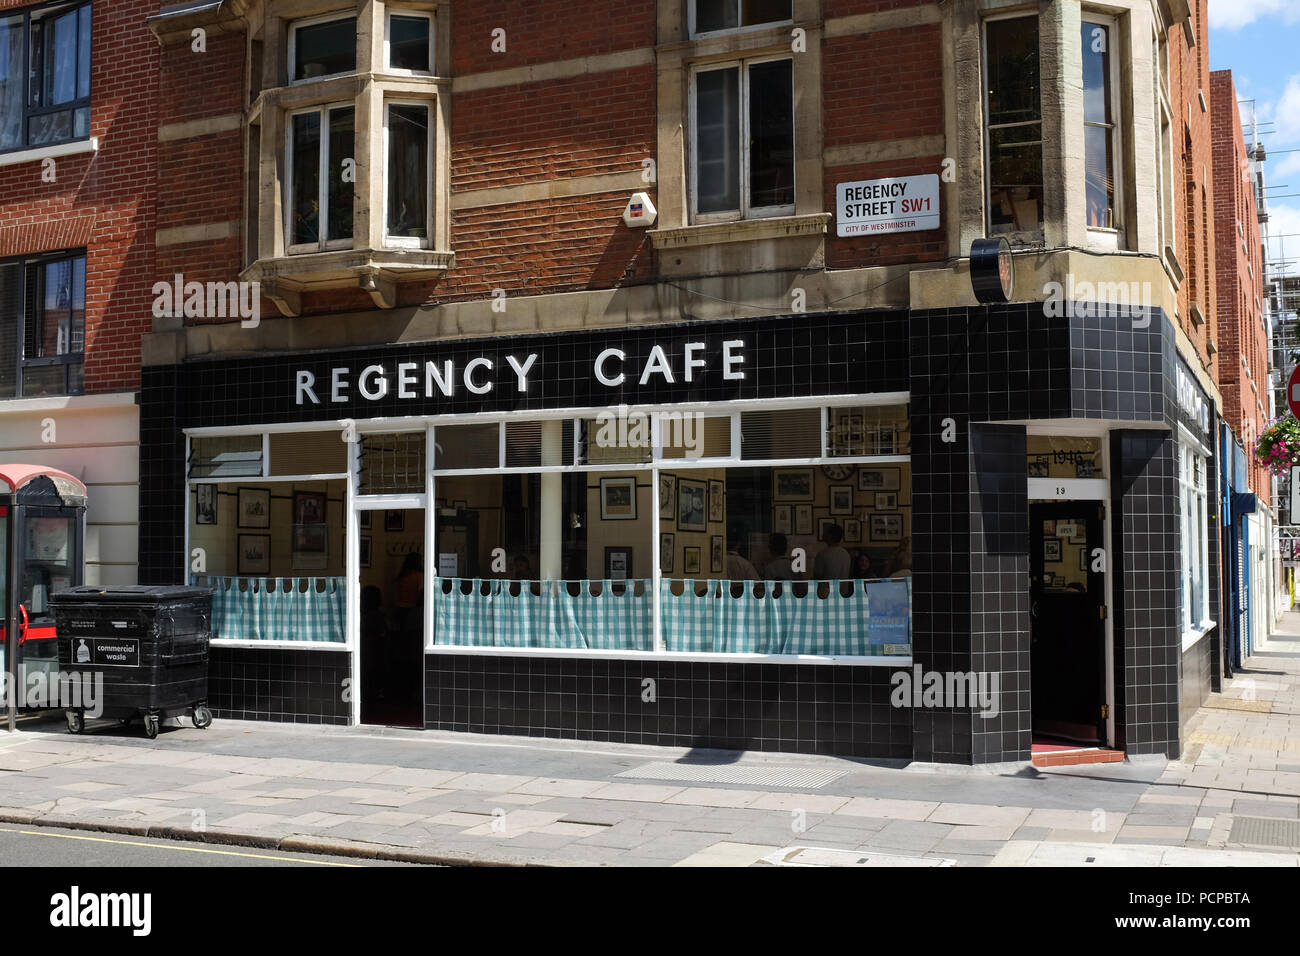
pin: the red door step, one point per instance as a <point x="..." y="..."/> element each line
<point x="1062" y="757"/>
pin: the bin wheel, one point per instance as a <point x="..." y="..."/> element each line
<point x="151" y="723"/>
<point x="202" y="717"/>
<point x="76" y="721"/>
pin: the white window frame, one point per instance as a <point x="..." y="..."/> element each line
<point x="355" y="502"/>
<point x="1194" y="531"/>
<point x="391" y="12"/>
<point x="984" y="115"/>
<point x="292" y="48"/>
<point x="322" y="196"/>
<point x="1163" y="125"/>
<point x="745" y="211"/>
<point x="412" y="242"/>
<point x="731" y="31"/>
<point x="1113" y="237"/>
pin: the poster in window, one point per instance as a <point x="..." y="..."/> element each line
<point x="254" y="507"/>
<point x="618" y="499"/>
<point x="205" y="504"/>
<point x="254" y="554"/>
<point x="803" y="519"/>
<point x="308" y="507"/>
<point x="692" y="507"/>
<point x="716" y="501"/>
<point x="667" y="496"/>
<point x="782" y="522"/>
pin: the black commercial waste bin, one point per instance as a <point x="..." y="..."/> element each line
<point x="150" y="644"/>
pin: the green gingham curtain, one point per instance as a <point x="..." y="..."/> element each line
<point x="780" y="622"/>
<point x="496" y="613"/>
<point x="310" y="610"/>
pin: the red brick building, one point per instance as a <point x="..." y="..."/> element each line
<point x="1243" y="372"/>
<point x="480" y="230"/>
<point x="78" y="185"/>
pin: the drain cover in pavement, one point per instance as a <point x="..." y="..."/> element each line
<point x="820" y="856"/>
<point x="801" y="777"/>
<point x="1265" y="831"/>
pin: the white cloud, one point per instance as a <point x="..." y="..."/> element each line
<point x="1288" y="164"/>
<point x="1286" y="114"/>
<point x="1284" y="233"/>
<point x="1235" y="14"/>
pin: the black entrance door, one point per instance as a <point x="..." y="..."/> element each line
<point x="1067" y="621"/>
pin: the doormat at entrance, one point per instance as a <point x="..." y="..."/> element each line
<point x="801" y="777"/>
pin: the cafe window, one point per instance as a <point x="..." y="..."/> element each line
<point x="45" y="76"/>
<point x="42" y="326"/>
<point x="1014" y="129"/>
<point x="743" y="140"/>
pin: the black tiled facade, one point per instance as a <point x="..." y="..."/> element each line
<point x="278" y="684"/>
<point x="736" y="706"/>
<point x="974" y="375"/>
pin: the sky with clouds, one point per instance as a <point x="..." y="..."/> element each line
<point x="1259" y="40"/>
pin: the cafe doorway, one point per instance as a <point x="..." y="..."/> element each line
<point x="391" y="572"/>
<point x="1068" y="610"/>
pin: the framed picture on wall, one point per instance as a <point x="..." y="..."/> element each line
<point x="878" y="479"/>
<point x="1039" y="468"/>
<point x="618" y="499"/>
<point x="365" y="520"/>
<point x="691" y="561"/>
<point x="782" y="522"/>
<point x="803" y="523"/>
<point x="365" y="540"/>
<point x="1083" y="559"/>
<point x="853" y="530"/>
<point x="717" y="507"/>
<point x="667" y="496"/>
<point x="1058" y="580"/>
<point x="886" y="500"/>
<point x="717" y="554"/>
<point x="841" y="499"/>
<point x="1052" y="550"/>
<point x="310" y="538"/>
<point x="618" y="564"/>
<point x="205" y="504"/>
<point x="308" y="507"/>
<point x="886" y="527"/>
<point x="692" y="505"/>
<point x="822" y="525"/>
<point x="666" y="545"/>
<point x="793" y="484"/>
<point x="254" y="507"/>
<point x="254" y="554"/>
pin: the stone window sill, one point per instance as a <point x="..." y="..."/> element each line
<point x="89" y="145"/>
<point x="377" y="271"/>
<point x="742" y="230"/>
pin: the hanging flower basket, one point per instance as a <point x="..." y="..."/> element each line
<point x="1279" y="445"/>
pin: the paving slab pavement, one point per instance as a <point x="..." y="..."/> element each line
<point x="395" y="794"/>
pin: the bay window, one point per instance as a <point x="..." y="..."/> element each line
<point x="42" y="326"/>
<point x="1013" y="129"/>
<point x="711" y="16"/>
<point x="744" y="140"/>
<point x="321" y="178"/>
<point x="409" y="41"/>
<point x="1100" y="132"/>
<point x="45" y="76"/>
<point x="409" y="146"/>
<point x="320" y="48"/>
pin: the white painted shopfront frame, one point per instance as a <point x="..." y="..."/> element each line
<point x="1087" y="489"/>
<point x="356" y="503"/>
